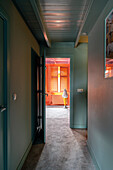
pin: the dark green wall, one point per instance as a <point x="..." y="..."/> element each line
<point x="80" y="82"/>
<point x="79" y="74"/>
<point x="20" y="41"/>
<point x="100" y="97"/>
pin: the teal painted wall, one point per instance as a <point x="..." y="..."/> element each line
<point x="80" y="82"/>
<point x="100" y="97"/>
<point x="20" y="41"/>
<point x="79" y="74"/>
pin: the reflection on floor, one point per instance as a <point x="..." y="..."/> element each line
<point x="57" y="112"/>
<point x="65" y="148"/>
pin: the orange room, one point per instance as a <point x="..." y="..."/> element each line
<point x="57" y="79"/>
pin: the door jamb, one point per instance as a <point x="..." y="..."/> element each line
<point x="33" y="51"/>
<point x="71" y="81"/>
<point x="5" y="121"/>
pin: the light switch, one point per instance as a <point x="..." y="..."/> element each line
<point x="14" y="96"/>
<point x="80" y="90"/>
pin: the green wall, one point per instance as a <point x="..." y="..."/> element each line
<point x="100" y="97"/>
<point x="20" y="41"/>
<point x="79" y="78"/>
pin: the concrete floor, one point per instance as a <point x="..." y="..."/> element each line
<point x="65" y="148"/>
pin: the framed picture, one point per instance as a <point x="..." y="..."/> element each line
<point x="109" y="45"/>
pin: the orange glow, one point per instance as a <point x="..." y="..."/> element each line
<point x="109" y="68"/>
<point x="45" y="36"/>
<point x="108" y="72"/>
<point x="57" y="78"/>
<point x="57" y="14"/>
<point x="58" y="21"/>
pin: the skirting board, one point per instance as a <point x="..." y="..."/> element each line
<point x="78" y="126"/>
<point x="93" y="156"/>
<point x="24" y="157"/>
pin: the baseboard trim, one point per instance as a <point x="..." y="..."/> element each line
<point x="93" y="156"/>
<point x="24" y="157"/>
<point x="78" y="126"/>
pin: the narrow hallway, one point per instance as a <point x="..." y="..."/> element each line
<point x="65" y="148"/>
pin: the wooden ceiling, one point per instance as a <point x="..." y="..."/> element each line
<point x="64" y="18"/>
<point x="59" y="20"/>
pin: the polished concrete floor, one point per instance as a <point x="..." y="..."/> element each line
<point x="65" y="148"/>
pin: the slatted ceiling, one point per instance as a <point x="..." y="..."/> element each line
<point x="64" y="12"/>
<point x="61" y="8"/>
<point x="63" y="18"/>
<point x="64" y="15"/>
<point x="63" y="21"/>
<point x="62" y="2"/>
<point x="27" y="12"/>
<point x="49" y="12"/>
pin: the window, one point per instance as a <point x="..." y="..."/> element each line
<point x="63" y="78"/>
<point x="54" y="79"/>
<point x="58" y="78"/>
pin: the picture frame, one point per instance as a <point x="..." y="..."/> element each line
<point x="109" y="45"/>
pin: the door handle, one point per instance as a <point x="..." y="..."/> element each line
<point x="40" y="91"/>
<point x="2" y="108"/>
<point x="44" y="94"/>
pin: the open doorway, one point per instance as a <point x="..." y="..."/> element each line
<point x="37" y="130"/>
<point x="57" y="79"/>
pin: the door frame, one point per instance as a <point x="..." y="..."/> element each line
<point x="33" y="54"/>
<point x="71" y="81"/>
<point x="42" y="86"/>
<point x="42" y="55"/>
<point x="5" y="117"/>
<point x="43" y="97"/>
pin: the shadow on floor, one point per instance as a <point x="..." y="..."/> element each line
<point x="39" y="138"/>
<point x="81" y="132"/>
<point x="33" y="157"/>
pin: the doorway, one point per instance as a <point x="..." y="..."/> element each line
<point x="57" y="79"/>
<point x="57" y="75"/>
<point x="36" y="99"/>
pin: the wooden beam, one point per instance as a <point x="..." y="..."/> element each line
<point x="83" y="39"/>
<point x="84" y="20"/>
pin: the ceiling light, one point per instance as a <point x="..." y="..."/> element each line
<point x="84" y="33"/>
